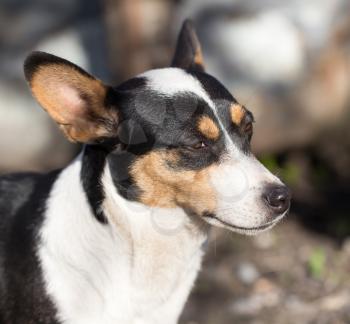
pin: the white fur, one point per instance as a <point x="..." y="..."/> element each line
<point x="169" y="81"/>
<point x="138" y="269"/>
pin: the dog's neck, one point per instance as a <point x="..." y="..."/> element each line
<point x="141" y="264"/>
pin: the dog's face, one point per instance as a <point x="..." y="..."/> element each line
<point x="175" y="137"/>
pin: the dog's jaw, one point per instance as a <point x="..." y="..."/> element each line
<point x="213" y="220"/>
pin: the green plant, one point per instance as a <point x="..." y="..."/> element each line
<point x="317" y="262"/>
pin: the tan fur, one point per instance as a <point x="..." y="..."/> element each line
<point x="208" y="128"/>
<point x="237" y="113"/>
<point x="80" y="121"/>
<point x="164" y="186"/>
<point x="198" y="58"/>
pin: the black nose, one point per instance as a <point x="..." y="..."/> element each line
<point x="277" y="198"/>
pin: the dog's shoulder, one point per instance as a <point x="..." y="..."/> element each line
<point x="23" y="198"/>
<point x="15" y="190"/>
<point x="21" y="194"/>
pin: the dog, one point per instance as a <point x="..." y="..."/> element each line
<point x="117" y="236"/>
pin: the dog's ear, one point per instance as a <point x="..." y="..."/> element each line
<point x="78" y="102"/>
<point x="188" y="53"/>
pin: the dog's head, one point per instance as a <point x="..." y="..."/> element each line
<point x="174" y="137"/>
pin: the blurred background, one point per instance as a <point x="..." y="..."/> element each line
<point x="287" y="61"/>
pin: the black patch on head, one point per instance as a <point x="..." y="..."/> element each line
<point x="131" y="133"/>
<point x="132" y="84"/>
<point x="223" y="101"/>
<point x="213" y="87"/>
<point x="23" y="296"/>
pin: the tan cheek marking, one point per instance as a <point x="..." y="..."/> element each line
<point x="208" y="128"/>
<point x="165" y="187"/>
<point x="237" y="113"/>
<point x="77" y="120"/>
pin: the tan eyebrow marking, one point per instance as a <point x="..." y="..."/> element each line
<point x="208" y="128"/>
<point x="237" y="113"/>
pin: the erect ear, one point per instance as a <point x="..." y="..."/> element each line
<point x="78" y="102"/>
<point x="188" y="53"/>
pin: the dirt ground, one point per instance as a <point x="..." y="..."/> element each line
<point x="286" y="275"/>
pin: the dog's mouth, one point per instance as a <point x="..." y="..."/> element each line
<point x="213" y="220"/>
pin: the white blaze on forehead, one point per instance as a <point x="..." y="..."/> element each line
<point x="170" y="81"/>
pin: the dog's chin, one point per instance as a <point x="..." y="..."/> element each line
<point x="254" y="230"/>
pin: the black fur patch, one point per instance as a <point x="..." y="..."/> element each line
<point x="22" y="206"/>
<point x="223" y="100"/>
<point x="93" y="162"/>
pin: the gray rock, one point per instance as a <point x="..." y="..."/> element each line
<point x="247" y="273"/>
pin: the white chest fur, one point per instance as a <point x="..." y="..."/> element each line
<point x="138" y="269"/>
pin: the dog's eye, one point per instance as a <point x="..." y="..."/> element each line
<point x="199" y="145"/>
